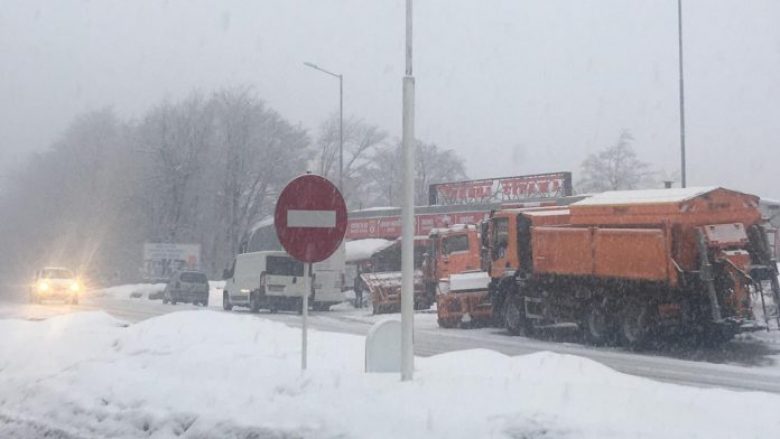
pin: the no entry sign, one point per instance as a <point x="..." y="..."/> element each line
<point x="310" y="218"/>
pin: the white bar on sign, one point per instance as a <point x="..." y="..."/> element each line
<point x="311" y="218"/>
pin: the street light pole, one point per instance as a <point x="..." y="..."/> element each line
<point x="682" y="95"/>
<point x="407" y="212"/>
<point x="341" y="119"/>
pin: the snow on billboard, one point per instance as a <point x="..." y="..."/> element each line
<point x="163" y="259"/>
<point x="501" y="190"/>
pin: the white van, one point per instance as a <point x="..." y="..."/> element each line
<point x="329" y="280"/>
<point x="268" y="279"/>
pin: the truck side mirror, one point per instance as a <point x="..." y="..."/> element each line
<point x="226" y="274"/>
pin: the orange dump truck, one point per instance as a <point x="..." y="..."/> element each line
<point x="452" y="273"/>
<point x="628" y="265"/>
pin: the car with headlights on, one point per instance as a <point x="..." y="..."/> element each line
<point x="55" y="283"/>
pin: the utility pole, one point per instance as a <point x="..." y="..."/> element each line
<point x="682" y="95"/>
<point x="407" y="212"/>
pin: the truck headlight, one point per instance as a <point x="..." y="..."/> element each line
<point x="43" y="286"/>
<point x="75" y="287"/>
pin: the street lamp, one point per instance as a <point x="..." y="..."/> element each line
<point x="341" y="119"/>
<point x="407" y="211"/>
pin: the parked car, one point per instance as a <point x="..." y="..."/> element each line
<point x="55" y="283"/>
<point x="187" y="286"/>
<point x="156" y="295"/>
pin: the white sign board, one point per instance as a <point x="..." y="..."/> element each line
<point x="163" y="259"/>
<point x="383" y="347"/>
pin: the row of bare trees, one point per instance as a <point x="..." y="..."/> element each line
<point x="199" y="170"/>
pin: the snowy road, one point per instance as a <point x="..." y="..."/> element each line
<point x="751" y="364"/>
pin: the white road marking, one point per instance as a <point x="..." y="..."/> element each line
<point x="311" y="218"/>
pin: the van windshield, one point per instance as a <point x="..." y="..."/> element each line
<point x="194" y="277"/>
<point x="283" y="266"/>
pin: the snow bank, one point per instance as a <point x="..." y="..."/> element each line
<point x="362" y="249"/>
<point x="124" y="291"/>
<point x="211" y="374"/>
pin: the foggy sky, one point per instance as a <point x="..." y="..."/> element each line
<point x="513" y="86"/>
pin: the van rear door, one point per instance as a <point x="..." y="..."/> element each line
<point x="284" y="276"/>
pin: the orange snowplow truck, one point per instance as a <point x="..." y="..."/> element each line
<point x="452" y="274"/>
<point x="628" y="265"/>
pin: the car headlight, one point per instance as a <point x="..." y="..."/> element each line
<point x="43" y="286"/>
<point x="75" y="287"/>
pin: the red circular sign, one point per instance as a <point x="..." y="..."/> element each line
<point x="310" y="218"/>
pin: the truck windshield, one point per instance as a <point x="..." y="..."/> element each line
<point x="457" y="243"/>
<point x="283" y="266"/>
<point x="56" y="273"/>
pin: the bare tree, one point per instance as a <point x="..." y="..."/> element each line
<point x="433" y="165"/>
<point x="614" y="168"/>
<point x="258" y="154"/>
<point x="361" y="140"/>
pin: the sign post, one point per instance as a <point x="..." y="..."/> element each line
<point x="310" y="220"/>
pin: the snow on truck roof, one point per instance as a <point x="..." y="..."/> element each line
<point x="675" y="195"/>
<point x="362" y="249"/>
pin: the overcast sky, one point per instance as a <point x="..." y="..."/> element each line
<point x="513" y="86"/>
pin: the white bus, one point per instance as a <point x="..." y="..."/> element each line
<point x="328" y="274"/>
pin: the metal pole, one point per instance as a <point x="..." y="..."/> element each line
<point x="682" y="96"/>
<point x="305" y="314"/>
<point x="407" y="212"/>
<point x="341" y="133"/>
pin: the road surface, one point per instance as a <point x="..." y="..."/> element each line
<point x="750" y="365"/>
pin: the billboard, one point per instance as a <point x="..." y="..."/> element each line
<point x="501" y="190"/>
<point x="163" y="259"/>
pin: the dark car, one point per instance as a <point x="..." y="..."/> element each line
<point x="187" y="286"/>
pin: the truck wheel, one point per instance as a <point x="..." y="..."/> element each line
<point x="254" y="303"/>
<point x="635" y="324"/>
<point x="514" y="316"/>
<point x="597" y="326"/>
<point x="74" y="300"/>
<point x="226" y="305"/>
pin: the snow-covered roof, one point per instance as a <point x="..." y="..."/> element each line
<point x="674" y="195"/>
<point x="551" y="212"/>
<point x="374" y="209"/>
<point x="362" y="249"/>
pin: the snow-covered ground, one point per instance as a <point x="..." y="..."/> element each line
<point x="211" y="374"/>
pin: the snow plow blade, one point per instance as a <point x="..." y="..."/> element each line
<point x="385" y="289"/>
